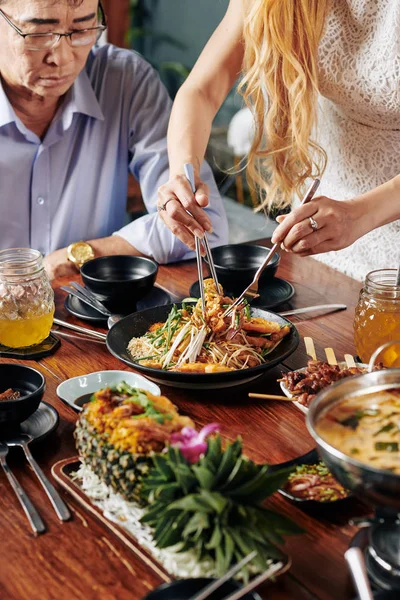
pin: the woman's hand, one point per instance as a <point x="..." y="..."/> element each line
<point x="182" y="211"/>
<point x="321" y="225"/>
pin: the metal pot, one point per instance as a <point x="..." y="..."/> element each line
<point x="376" y="486"/>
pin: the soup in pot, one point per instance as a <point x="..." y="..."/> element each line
<point x="366" y="428"/>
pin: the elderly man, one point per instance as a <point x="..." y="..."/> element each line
<point x="74" y="119"/>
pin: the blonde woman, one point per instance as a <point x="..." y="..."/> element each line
<point x="322" y="79"/>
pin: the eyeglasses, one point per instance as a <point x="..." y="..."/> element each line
<point x="79" y="37"/>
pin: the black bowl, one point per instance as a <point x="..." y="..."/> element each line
<point x="119" y="281"/>
<point x="31" y="385"/>
<point x="236" y="265"/>
<point x="311" y="458"/>
<point x="136" y="325"/>
<point x="184" y="589"/>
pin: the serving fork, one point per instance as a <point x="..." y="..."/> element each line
<point x="34" y="518"/>
<point x="62" y="511"/>
<point x="251" y="292"/>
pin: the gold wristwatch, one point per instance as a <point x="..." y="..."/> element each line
<point x="79" y="253"/>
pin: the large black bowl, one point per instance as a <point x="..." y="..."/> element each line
<point x="184" y="589"/>
<point x="236" y="265"/>
<point x="137" y="324"/>
<point x="31" y="385"/>
<point x="119" y="281"/>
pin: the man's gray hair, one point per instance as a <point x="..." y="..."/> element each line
<point x="71" y="2"/>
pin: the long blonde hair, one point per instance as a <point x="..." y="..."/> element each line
<point x="280" y="86"/>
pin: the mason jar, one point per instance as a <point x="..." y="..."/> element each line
<point x="26" y="298"/>
<point x="377" y="317"/>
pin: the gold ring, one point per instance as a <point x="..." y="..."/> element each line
<point x="313" y="223"/>
<point x="161" y="207"/>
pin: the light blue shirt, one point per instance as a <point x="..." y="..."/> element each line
<point x="73" y="184"/>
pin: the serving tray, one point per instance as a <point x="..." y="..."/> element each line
<point x="63" y="472"/>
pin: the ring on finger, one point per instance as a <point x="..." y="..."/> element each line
<point x="313" y="223"/>
<point x="161" y="207"/>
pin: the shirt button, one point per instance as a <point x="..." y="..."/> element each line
<point x="40" y="200"/>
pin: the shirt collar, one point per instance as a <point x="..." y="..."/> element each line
<point x="82" y="99"/>
<point x="79" y="99"/>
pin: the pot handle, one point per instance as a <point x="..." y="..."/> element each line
<point x="377" y="352"/>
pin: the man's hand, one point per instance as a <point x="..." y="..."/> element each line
<point x="57" y="264"/>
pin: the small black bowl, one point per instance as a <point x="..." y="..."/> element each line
<point x="311" y="458"/>
<point x="236" y="264"/>
<point x="184" y="589"/>
<point x="119" y="281"/>
<point x="31" y="385"/>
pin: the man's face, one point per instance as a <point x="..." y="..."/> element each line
<point x="52" y="71"/>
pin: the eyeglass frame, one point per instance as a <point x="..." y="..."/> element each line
<point x="101" y="28"/>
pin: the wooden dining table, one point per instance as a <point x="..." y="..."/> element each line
<point x="82" y="560"/>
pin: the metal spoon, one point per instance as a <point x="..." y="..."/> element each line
<point x="356" y="562"/>
<point x="22" y="440"/>
<point x="33" y="516"/>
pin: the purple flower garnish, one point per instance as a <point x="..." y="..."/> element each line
<point x="192" y="443"/>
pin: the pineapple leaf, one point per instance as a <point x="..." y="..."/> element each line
<point x="261" y="486"/>
<point x="229" y="457"/>
<point x="216" y="501"/>
<point x="214" y="452"/>
<point x="229" y="546"/>
<point x="196" y="524"/>
<point x="204" y="476"/>
<point x="215" y="539"/>
<point x="161" y="464"/>
<point x="191" y="503"/>
<point x="267" y="519"/>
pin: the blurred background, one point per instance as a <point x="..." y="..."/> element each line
<point x="170" y="34"/>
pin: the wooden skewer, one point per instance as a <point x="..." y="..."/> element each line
<point x="270" y="397"/>
<point x="330" y="356"/>
<point x="310" y="348"/>
<point x="349" y="361"/>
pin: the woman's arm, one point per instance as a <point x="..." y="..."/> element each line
<point x="194" y="109"/>
<point x="340" y="224"/>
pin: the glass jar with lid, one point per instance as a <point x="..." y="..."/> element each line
<point x="377" y="317"/>
<point x="26" y="298"/>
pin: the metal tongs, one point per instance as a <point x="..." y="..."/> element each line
<point x="189" y="172"/>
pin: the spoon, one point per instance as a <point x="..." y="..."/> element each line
<point x="22" y="440"/>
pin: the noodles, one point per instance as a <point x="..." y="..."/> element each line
<point x="192" y="343"/>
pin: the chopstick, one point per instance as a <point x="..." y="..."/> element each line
<point x="270" y="397"/>
<point x="255" y="582"/>
<point x="89" y="332"/>
<point x="189" y="173"/>
<point x="200" y="274"/>
<point x="209" y="589"/>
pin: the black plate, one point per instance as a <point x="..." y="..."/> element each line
<point x="184" y="589"/>
<point x="273" y="292"/>
<point x="41" y="423"/>
<point x="136" y="325"/>
<point x="310" y="458"/>
<point x="81" y="310"/>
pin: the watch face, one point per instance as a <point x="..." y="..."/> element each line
<point x="81" y="252"/>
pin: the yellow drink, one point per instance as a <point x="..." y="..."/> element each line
<point x="377" y="318"/>
<point x="373" y="327"/>
<point x="32" y="329"/>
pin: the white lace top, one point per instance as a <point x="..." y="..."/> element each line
<point x="359" y="121"/>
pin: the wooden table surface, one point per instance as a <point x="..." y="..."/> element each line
<point x="80" y="560"/>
